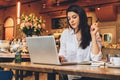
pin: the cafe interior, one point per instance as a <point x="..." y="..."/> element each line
<point x="51" y="14"/>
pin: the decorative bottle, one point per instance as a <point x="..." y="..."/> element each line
<point x="18" y="56"/>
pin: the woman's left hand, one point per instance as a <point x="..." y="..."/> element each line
<point x="62" y="59"/>
<point x="94" y="29"/>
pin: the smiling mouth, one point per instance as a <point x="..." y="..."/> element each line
<point x="72" y="24"/>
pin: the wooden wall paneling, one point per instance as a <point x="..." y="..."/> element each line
<point x="106" y="13"/>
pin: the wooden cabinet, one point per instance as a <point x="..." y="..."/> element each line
<point x="110" y="51"/>
<point x="118" y="34"/>
<point x="106" y="13"/>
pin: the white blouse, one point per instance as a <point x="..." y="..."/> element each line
<point x="69" y="48"/>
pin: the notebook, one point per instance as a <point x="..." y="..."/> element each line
<point x="43" y="50"/>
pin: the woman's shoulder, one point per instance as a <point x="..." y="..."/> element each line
<point x="67" y="31"/>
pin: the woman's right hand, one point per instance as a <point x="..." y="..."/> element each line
<point x="94" y="29"/>
<point x="62" y="59"/>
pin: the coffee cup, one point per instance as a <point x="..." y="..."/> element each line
<point x="115" y="61"/>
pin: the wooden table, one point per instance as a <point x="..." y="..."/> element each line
<point x="81" y="70"/>
<point x="27" y="66"/>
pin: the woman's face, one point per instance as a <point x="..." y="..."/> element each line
<point x="73" y="19"/>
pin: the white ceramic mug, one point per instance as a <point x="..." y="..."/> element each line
<point x="115" y="61"/>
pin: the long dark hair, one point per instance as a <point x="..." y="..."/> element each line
<point x="83" y="25"/>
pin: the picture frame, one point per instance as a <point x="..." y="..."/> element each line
<point x="108" y="33"/>
<point x="61" y="22"/>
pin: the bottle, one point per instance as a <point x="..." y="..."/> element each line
<point x="108" y="57"/>
<point x="18" y="56"/>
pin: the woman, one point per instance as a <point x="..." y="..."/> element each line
<point x="79" y="43"/>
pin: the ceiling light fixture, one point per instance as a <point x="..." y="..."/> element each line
<point x="57" y="2"/>
<point x="43" y="5"/>
<point x="98" y="8"/>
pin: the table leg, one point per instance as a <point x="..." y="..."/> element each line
<point x="36" y="75"/>
<point x="51" y="76"/>
<point x="16" y="74"/>
<point x="21" y="75"/>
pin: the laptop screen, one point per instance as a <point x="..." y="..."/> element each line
<point x="43" y="50"/>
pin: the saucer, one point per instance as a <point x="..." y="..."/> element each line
<point x="113" y="66"/>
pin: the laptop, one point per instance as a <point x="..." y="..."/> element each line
<point x="43" y="50"/>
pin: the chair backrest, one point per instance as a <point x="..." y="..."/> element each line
<point x="6" y="75"/>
